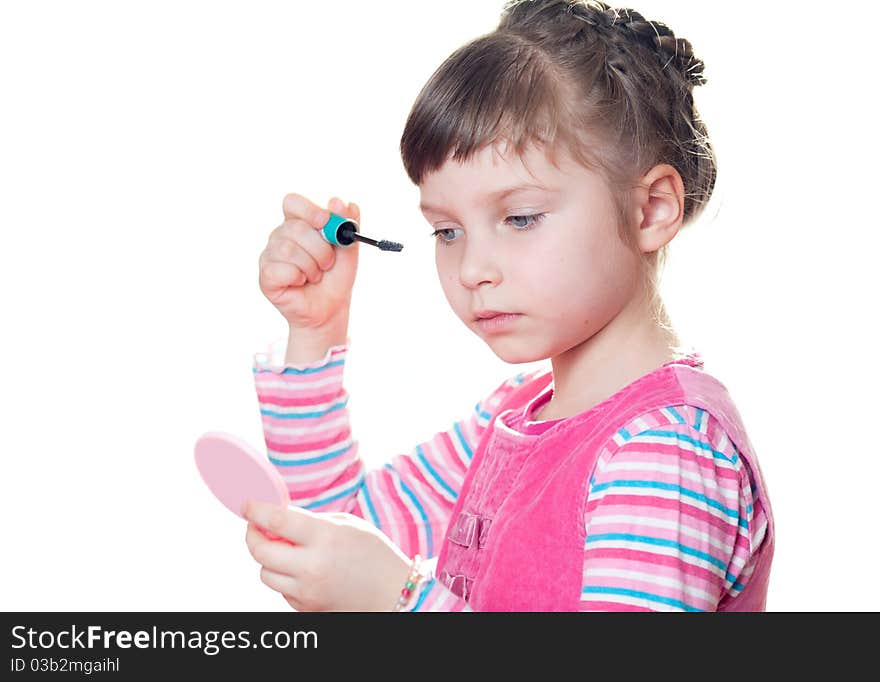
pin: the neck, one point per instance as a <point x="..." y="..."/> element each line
<point x="636" y="342"/>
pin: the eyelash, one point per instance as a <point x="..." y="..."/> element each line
<point x="536" y="218"/>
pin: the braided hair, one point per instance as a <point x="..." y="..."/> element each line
<point x="624" y="27"/>
<point x="605" y="84"/>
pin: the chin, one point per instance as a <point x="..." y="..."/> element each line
<point x="515" y="355"/>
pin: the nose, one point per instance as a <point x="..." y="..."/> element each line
<point x="479" y="263"/>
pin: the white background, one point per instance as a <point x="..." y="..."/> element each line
<point x="145" y="149"/>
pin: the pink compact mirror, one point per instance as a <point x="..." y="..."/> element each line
<point x="236" y="472"/>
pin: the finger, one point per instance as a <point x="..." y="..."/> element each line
<point x="279" y="556"/>
<point x="278" y="274"/>
<point x="297" y="206"/>
<point x="337" y="205"/>
<point x="295" y="253"/>
<point x="285" y="584"/>
<point x="292" y="523"/>
<point x="255" y="539"/>
<point x="250" y="538"/>
<point x="312" y="241"/>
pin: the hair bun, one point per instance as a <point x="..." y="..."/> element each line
<point x="653" y="34"/>
<point x="679" y="51"/>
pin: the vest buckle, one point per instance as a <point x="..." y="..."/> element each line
<point x="469" y="527"/>
<point x="460" y="585"/>
<point x="464" y="529"/>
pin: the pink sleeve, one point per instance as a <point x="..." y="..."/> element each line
<point x="671" y="522"/>
<point x="308" y="438"/>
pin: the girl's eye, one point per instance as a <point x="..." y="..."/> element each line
<point x="535" y="219"/>
<point x="440" y="238"/>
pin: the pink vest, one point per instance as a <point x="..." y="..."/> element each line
<point x="515" y="541"/>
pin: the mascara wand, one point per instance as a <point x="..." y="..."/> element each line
<point x="341" y="231"/>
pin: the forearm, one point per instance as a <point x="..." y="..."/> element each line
<point x="308" y="437"/>
<point x="303" y="408"/>
<point x="306" y="426"/>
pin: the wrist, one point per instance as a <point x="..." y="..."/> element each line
<point x="310" y="344"/>
<point x="408" y="588"/>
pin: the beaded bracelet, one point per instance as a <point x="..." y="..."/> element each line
<point x="412" y="580"/>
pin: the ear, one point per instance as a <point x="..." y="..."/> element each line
<point x="658" y="208"/>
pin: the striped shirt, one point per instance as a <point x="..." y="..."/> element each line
<point x="671" y="523"/>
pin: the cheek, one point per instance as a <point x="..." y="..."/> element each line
<point x="445" y="271"/>
<point x="589" y="276"/>
<point x="443" y="261"/>
<point x="554" y="270"/>
<point x="447" y="274"/>
<point x="610" y="281"/>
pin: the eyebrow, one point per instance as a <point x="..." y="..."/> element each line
<point x="498" y="195"/>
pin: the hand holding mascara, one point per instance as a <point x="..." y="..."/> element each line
<point x="306" y="270"/>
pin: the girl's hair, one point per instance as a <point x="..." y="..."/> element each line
<point x="609" y="86"/>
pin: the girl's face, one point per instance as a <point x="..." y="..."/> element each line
<point x="551" y="255"/>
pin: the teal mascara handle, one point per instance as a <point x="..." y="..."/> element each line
<point x="337" y="230"/>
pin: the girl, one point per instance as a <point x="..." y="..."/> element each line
<point x="556" y="159"/>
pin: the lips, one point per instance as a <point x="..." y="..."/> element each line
<point x="496" y="322"/>
<point x="488" y="314"/>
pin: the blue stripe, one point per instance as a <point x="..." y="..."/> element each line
<point x="464" y="442"/>
<point x="428" y="537"/>
<point x="626" y="435"/>
<point x="519" y="378"/>
<point x="425" y="590"/>
<point x="688" y="439"/>
<point x="344" y="493"/>
<point x="482" y="414"/>
<point x="661" y="542"/>
<point x="371" y="508"/>
<point x="311" y="370"/>
<point x="676" y="414"/>
<point x="602" y="589"/>
<point x="420" y="454"/>
<point x="687" y="492"/>
<point x="303" y="415"/>
<point x="699" y="423"/>
<point x="311" y="460"/>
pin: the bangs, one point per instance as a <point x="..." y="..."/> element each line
<point x="494" y="89"/>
